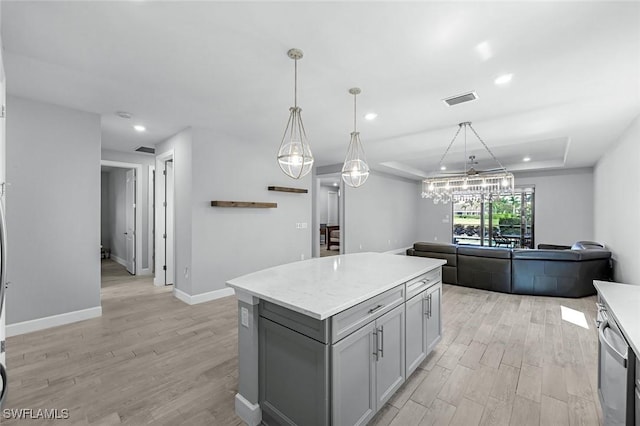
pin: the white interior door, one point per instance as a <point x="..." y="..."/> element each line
<point x="169" y="224"/>
<point x="332" y="205"/>
<point x="130" y="220"/>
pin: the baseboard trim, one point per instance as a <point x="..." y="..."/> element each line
<point x="202" y="297"/>
<point x="250" y="413"/>
<point x="52" y="321"/>
<point x="145" y="271"/>
<point x="119" y="260"/>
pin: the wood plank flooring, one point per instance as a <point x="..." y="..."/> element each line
<point x="151" y="359"/>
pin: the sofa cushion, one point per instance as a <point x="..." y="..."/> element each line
<point x="587" y="245"/>
<point x="484" y="267"/>
<point x="494" y="252"/>
<point x="435" y="247"/>
<point x="562" y="255"/>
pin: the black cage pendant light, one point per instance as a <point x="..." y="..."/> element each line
<point x="294" y="156"/>
<point x="355" y="169"/>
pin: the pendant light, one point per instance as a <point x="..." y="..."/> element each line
<point x="355" y="170"/>
<point x="294" y="156"/>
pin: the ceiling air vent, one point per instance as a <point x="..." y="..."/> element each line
<point x="458" y="99"/>
<point x="146" y="150"/>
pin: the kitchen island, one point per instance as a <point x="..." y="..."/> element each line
<point x="328" y="341"/>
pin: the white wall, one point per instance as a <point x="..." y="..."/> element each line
<point x="381" y="215"/>
<point x="563" y="208"/>
<point x="617" y="203"/>
<point x="53" y="213"/>
<point x="181" y="145"/>
<point x="145" y="161"/>
<point x="228" y="242"/>
<point x="117" y="214"/>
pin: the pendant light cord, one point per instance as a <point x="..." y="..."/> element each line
<point x="295" y="84"/>
<point x="354" y="113"/>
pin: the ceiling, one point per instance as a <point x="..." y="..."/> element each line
<point x="223" y="65"/>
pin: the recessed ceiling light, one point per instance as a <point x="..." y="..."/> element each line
<point x="443" y="167"/>
<point x="370" y="116"/>
<point x="139" y="128"/>
<point x="503" y="79"/>
<point x="525" y="159"/>
<point x="335" y="183"/>
<point x="484" y="50"/>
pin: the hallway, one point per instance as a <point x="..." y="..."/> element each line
<point x="149" y="359"/>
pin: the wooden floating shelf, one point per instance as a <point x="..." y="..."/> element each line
<point x="250" y="204"/>
<point x="286" y="189"/>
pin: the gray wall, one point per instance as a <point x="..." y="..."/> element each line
<point x="564" y="205"/>
<point x="563" y="208"/>
<point x="323" y="202"/>
<point x="117" y="213"/>
<point x="228" y="242"/>
<point x="617" y="203"/>
<point x="381" y="214"/>
<point x="105" y="214"/>
<point x="181" y="144"/>
<point x="143" y="198"/>
<point x="53" y="213"/>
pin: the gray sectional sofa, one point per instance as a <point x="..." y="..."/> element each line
<point x="561" y="272"/>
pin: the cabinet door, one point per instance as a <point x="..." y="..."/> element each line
<point x="434" y="323"/>
<point x="353" y="378"/>
<point x="390" y="372"/>
<point x="416" y="333"/>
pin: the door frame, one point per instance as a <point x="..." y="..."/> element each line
<point x="138" y="218"/>
<point x="159" y="278"/>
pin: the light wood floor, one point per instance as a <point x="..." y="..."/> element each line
<point x="151" y="359"/>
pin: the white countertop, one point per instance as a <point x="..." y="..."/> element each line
<point x="624" y="304"/>
<point x="322" y="287"/>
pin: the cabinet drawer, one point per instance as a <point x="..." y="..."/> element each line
<point x="348" y="321"/>
<point x="422" y="282"/>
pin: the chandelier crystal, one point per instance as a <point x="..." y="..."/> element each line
<point x="355" y="169"/>
<point x="470" y="185"/>
<point x="294" y="156"/>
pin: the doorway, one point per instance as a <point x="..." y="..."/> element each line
<point x="329" y="206"/>
<point x="165" y="220"/>
<point x="120" y="222"/>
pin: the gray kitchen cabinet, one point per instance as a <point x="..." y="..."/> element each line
<point x="416" y="332"/>
<point x="294" y="388"/>
<point x="433" y="302"/>
<point x="368" y="368"/>
<point x="353" y="377"/>
<point x="390" y="374"/>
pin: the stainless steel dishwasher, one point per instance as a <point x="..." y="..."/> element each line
<point x="616" y="373"/>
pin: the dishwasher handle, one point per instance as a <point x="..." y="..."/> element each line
<point x="608" y="346"/>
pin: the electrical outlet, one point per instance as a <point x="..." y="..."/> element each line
<point x="244" y="317"/>
<point x="304" y="225"/>
<point x="301" y="256"/>
<point x="435" y="238"/>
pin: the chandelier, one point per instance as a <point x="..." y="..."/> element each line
<point x="294" y="156"/>
<point x="355" y="169"/>
<point x="472" y="184"/>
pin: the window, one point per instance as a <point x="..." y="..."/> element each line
<point x="510" y="217"/>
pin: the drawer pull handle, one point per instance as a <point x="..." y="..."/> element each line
<point x="381" y="334"/>
<point x="377" y="308"/>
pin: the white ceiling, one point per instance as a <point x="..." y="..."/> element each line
<point x="575" y="65"/>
